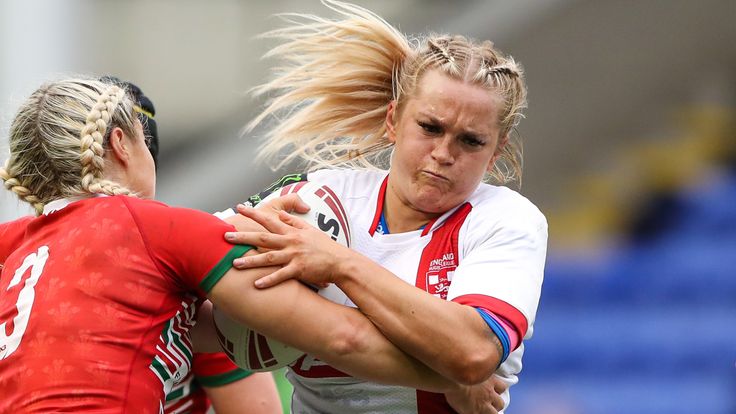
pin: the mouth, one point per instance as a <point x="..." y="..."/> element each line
<point x="434" y="175"/>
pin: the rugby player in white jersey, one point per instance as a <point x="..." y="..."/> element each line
<point x="447" y="266"/>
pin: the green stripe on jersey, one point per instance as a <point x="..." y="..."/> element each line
<point x="160" y="369"/>
<point x="222" y="267"/>
<point x="175" y="394"/>
<point x="224" y="379"/>
<point x="176" y="339"/>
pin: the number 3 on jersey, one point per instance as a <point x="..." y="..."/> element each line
<point x="11" y="331"/>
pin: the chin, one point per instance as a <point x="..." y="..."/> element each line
<point x="431" y="205"/>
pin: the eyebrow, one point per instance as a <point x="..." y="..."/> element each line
<point x="464" y="133"/>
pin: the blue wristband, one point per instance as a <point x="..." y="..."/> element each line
<point x="498" y="330"/>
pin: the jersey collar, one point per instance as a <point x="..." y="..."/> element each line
<point x="428" y="228"/>
<point x="60" y="203"/>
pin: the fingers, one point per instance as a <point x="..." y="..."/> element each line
<point x="272" y="258"/>
<point x="265" y="218"/>
<point x="294" y="203"/>
<point x="278" y="222"/>
<point x="243" y="223"/>
<point x="497" y="403"/>
<point x="274" y="278"/>
<point x="498" y="384"/>
<point x="293" y="221"/>
<point x="289" y="203"/>
<point x="257" y="239"/>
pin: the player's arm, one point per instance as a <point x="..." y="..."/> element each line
<point x="339" y="335"/>
<point x="230" y="389"/>
<point x="424" y="326"/>
<point x="255" y="394"/>
<point x="449" y="337"/>
<point x="481" y="398"/>
<point x="453" y="338"/>
<point x="188" y="248"/>
<point x="336" y="334"/>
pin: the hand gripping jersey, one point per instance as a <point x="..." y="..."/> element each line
<point x="209" y="370"/>
<point x="488" y="252"/>
<point x="96" y="300"/>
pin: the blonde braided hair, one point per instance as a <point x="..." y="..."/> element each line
<point x="92" y="139"/>
<point x="331" y="97"/>
<point x="14" y="185"/>
<point x="57" y="140"/>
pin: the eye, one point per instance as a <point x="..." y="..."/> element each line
<point x="472" y="141"/>
<point x="430" y="127"/>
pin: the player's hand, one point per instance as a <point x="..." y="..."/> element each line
<point x="302" y="251"/>
<point x="290" y="203"/>
<point x="483" y="398"/>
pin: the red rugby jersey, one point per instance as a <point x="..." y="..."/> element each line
<point x="96" y="300"/>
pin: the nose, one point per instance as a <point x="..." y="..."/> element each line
<point x="442" y="150"/>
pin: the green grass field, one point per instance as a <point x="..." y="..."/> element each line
<point x="285" y="389"/>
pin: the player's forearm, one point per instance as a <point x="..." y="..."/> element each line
<point x="337" y="334"/>
<point x="450" y="338"/>
<point x="369" y="355"/>
<point x="255" y="394"/>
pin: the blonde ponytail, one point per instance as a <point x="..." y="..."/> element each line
<point x="330" y="99"/>
<point x="335" y="87"/>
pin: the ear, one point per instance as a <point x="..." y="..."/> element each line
<point x="119" y="147"/>
<point x="497" y="153"/>
<point x="390" y="121"/>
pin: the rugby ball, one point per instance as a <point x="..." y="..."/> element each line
<point x="255" y="352"/>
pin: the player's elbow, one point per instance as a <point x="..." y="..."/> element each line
<point x="347" y="339"/>
<point x="475" y="367"/>
<point x="341" y="343"/>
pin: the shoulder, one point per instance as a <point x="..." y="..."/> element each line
<point x="506" y="202"/>
<point x="141" y="208"/>
<point x="498" y="209"/>
<point x="136" y="203"/>
<point x="173" y="225"/>
<point x="348" y="178"/>
<point x="11" y="233"/>
<point x="14" y="227"/>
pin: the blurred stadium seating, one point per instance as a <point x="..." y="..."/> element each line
<point x="647" y="326"/>
<point x="639" y="302"/>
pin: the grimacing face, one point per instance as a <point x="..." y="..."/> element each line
<point x="446" y="138"/>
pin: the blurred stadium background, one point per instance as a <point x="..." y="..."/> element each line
<point x="630" y="150"/>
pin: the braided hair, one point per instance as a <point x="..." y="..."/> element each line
<point x="58" y="138"/>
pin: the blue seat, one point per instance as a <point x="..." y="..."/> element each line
<point x="647" y="329"/>
<point x="679" y="271"/>
<point x="629" y="340"/>
<point x="615" y="394"/>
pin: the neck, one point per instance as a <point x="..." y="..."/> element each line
<point x="402" y="217"/>
<point x="113" y="171"/>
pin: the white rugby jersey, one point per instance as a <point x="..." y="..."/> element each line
<point x="488" y="252"/>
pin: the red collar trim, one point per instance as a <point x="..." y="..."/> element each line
<point x="379" y="207"/>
